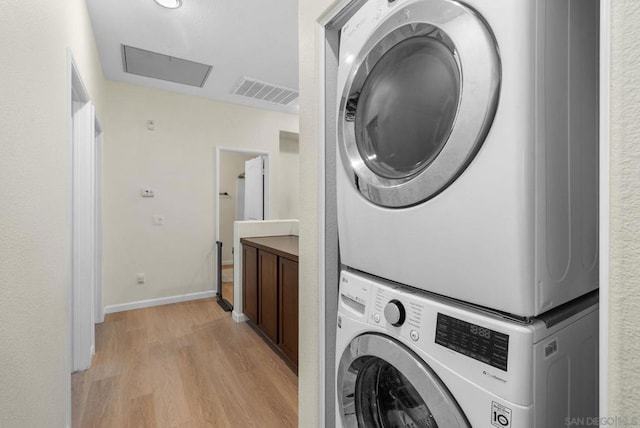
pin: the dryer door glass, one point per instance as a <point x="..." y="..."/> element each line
<point x="407" y="107"/>
<point x="418" y="101"/>
<point x="383" y="384"/>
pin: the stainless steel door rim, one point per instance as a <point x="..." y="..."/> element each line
<point x="415" y="389"/>
<point x="401" y="151"/>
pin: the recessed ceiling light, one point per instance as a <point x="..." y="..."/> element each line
<point x="169" y="4"/>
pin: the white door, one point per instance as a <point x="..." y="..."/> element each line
<point x="99" y="312"/>
<point x="84" y="236"/>
<point x="254" y="189"/>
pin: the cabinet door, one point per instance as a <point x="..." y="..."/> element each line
<point x="288" y="285"/>
<point x="268" y="289"/>
<point x="250" y="296"/>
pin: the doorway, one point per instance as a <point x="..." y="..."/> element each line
<point x="233" y="188"/>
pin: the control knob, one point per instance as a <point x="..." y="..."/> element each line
<point x="394" y="313"/>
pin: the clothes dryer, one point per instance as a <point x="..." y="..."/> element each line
<point x="408" y="359"/>
<point x="468" y="152"/>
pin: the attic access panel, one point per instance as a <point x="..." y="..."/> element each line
<point x="163" y="67"/>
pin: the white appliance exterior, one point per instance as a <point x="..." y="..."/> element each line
<point x="536" y="390"/>
<point x="516" y="231"/>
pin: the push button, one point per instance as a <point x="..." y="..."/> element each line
<point x="376" y="318"/>
<point x="414" y="335"/>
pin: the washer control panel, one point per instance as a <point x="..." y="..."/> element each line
<point x="395" y="307"/>
<point x="474" y="341"/>
<point x="490" y="351"/>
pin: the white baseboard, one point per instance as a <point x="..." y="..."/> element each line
<point x="239" y="317"/>
<point x="158" y="302"/>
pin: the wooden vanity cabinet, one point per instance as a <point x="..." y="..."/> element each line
<point x="270" y="290"/>
<point x="288" y="298"/>
<point x="250" y="282"/>
<point x="268" y="294"/>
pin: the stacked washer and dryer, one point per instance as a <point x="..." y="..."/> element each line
<point x="467" y="186"/>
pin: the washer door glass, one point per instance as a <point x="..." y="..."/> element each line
<point x="385" y="398"/>
<point x="418" y="100"/>
<point x="407" y="107"/>
<point x="383" y="384"/>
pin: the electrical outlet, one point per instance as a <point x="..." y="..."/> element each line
<point x="141" y="278"/>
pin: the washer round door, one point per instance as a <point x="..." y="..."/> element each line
<point x="418" y="102"/>
<point x="383" y="384"/>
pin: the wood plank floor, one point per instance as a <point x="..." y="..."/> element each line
<point x="183" y="365"/>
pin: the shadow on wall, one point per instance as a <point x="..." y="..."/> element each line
<point x="289" y="176"/>
<point x="205" y="273"/>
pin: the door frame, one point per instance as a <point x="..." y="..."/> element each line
<point x="98" y="151"/>
<point x="604" y="203"/>
<point x="267" y="181"/>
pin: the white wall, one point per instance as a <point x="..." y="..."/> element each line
<point x="624" y="327"/>
<point x="177" y="162"/>
<point x="231" y="165"/>
<point x="35" y="190"/>
<point x="288" y="175"/>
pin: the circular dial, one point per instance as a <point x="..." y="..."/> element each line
<point x="394" y="313"/>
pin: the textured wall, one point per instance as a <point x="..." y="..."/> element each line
<point x="35" y="191"/>
<point x="624" y="328"/>
<point x="177" y="162"/>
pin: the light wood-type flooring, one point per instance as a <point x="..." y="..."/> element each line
<point x="183" y="365"/>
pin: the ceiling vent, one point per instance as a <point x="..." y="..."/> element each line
<point x="164" y="67"/>
<point x="253" y="88"/>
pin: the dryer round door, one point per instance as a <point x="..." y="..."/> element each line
<point x="381" y="383"/>
<point x="418" y="102"/>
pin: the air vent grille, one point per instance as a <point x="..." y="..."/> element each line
<point x="164" y="67"/>
<point x="253" y="88"/>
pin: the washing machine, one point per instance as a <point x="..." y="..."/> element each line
<point x="406" y="358"/>
<point x="467" y="138"/>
